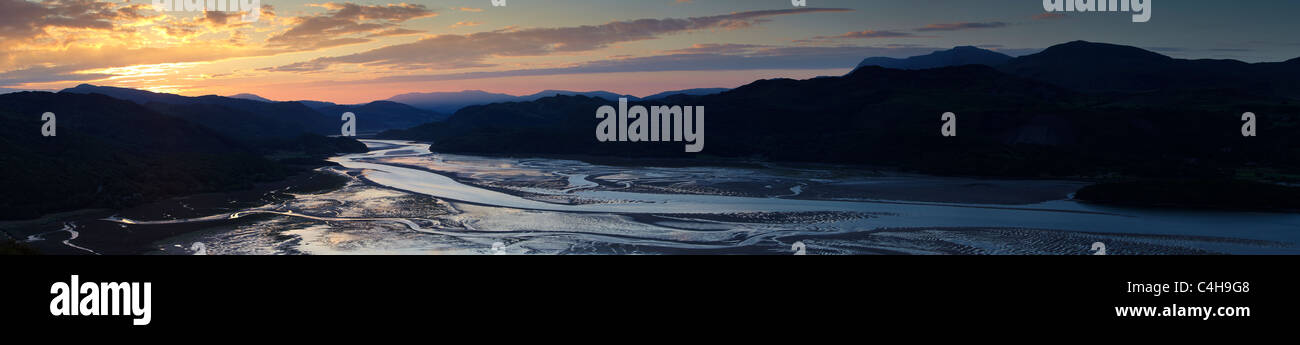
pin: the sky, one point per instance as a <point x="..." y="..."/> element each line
<point x="360" y="51"/>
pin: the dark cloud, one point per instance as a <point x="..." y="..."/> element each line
<point x="735" y="58"/>
<point x="715" y="48"/>
<point x="42" y="74"/>
<point x="962" y="26"/>
<point x="869" y="34"/>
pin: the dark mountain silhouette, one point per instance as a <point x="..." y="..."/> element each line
<point x="137" y="96"/>
<point x="279" y="119"/>
<point x="595" y="94"/>
<point x="450" y="102"/>
<point x="1100" y="67"/>
<point x="8" y="90"/>
<point x="1153" y="129"/>
<point x="251" y="97"/>
<point x="873" y="115"/>
<point x="111" y="153"/>
<point x="1029" y="123"/>
<point x="378" y="116"/>
<point x="965" y="55"/>
<point x="317" y="104"/>
<point x="246" y="126"/>
<point x="252" y="119"/>
<point x="688" y="92"/>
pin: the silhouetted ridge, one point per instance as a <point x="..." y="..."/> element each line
<point x="255" y="120"/>
<point x="1100" y="67"/>
<point x="1032" y="123"/>
<point x="963" y="55"/>
<point x="112" y="153"/>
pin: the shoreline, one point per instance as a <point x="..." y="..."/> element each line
<point x="106" y="237"/>
<point x="93" y="235"/>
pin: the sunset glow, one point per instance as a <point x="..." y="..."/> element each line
<point x="357" y="52"/>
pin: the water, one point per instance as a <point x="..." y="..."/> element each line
<point x="407" y="200"/>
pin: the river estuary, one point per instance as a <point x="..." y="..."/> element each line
<point x="403" y="199"/>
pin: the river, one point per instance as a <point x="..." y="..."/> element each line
<point x="404" y="199"/>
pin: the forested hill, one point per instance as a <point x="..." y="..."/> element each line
<point x="114" y="153"/>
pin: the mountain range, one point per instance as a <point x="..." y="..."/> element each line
<point x="1075" y="109"/>
<point x="118" y="147"/>
<point x="1078" y="109"/>
<point x="251" y="116"/>
<point x="112" y="153"/>
<point x="964" y="55"/>
<point x="1100" y="67"/>
<point x="450" y="102"/>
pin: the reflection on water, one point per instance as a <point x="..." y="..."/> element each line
<point x="407" y="200"/>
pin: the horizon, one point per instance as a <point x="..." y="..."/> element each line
<point x="351" y="53"/>
<point x="651" y="93"/>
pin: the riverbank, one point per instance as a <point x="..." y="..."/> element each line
<point x="85" y="232"/>
<point x="398" y="198"/>
<point x="1231" y="195"/>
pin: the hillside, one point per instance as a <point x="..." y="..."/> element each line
<point x="112" y="153"/>
<point x="1031" y="125"/>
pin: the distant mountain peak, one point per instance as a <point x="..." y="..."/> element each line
<point x="92" y="87"/>
<point x="688" y="92"/>
<point x="596" y="94"/>
<point x="1103" y="67"/>
<point x="1101" y="50"/>
<point x="250" y="96"/>
<point x="957" y="56"/>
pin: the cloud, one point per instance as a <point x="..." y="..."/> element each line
<point x="865" y="34"/>
<point x="962" y="26"/>
<point x="1050" y="16"/>
<point x="720" y="57"/>
<point x="346" y="23"/>
<point x="22" y="20"/>
<point x="465" y="23"/>
<point x="874" y="34"/>
<point x="81" y="39"/>
<point x="42" y="74"/>
<point x="716" y="48"/>
<point x="464" y="51"/>
<point x="86" y="60"/>
<point x="395" y="32"/>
